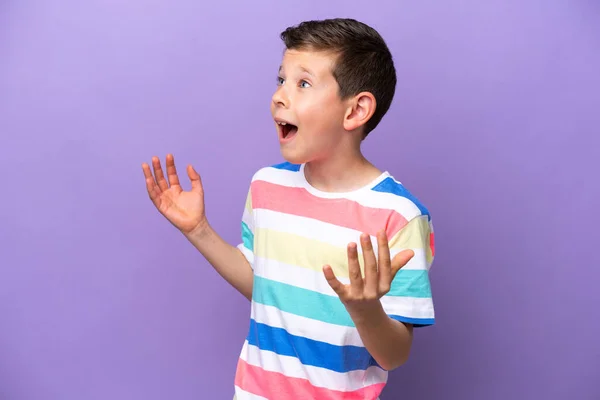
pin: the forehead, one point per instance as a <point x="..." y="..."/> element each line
<point x="313" y="62"/>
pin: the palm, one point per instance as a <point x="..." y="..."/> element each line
<point x="184" y="209"/>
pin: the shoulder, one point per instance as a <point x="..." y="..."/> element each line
<point x="416" y="231"/>
<point x="394" y="195"/>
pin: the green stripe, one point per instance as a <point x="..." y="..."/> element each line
<point x="298" y="301"/>
<point x="321" y="307"/>
<point x="247" y="237"/>
<point x="411" y="283"/>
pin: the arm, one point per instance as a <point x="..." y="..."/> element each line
<point x="393" y="295"/>
<point x="228" y="261"/>
<point x="185" y="210"/>
<point x="387" y="340"/>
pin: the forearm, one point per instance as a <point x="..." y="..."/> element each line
<point x="227" y="260"/>
<point x="387" y="340"/>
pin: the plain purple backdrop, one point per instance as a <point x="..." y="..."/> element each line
<point x="495" y="126"/>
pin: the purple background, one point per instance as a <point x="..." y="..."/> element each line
<point x="495" y="127"/>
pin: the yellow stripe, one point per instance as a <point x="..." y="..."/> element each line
<point x="312" y="254"/>
<point x="249" y="203"/>
<point x="302" y="252"/>
<point x="414" y="235"/>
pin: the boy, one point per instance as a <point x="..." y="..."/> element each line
<point x="329" y="318"/>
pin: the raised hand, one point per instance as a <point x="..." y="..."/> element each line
<point x="363" y="294"/>
<point x="184" y="209"/>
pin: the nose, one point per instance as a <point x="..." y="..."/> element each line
<point x="280" y="98"/>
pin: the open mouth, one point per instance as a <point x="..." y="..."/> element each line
<point x="286" y="129"/>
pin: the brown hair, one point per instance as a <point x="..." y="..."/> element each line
<point x="364" y="62"/>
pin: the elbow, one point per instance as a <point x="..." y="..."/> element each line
<point x="394" y="363"/>
<point x="390" y="366"/>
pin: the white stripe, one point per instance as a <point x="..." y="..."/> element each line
<point x="418" y="262"/>
<point x="305" y="327"/>
<point x="296" y="276"/>
<point x="411" y="307"/>
<point x="319" y="377"/>
<point x="247" y="253"/>
<point x="277" y="176"/>
<point x="248" y="219"/>
<point x="367" y="198"/>
<point x="309" y="228"/>
<point x="243" y="395"/>
<point x="387" y="201"/>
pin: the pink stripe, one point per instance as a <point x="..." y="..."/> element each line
<point x="274" y="385"/>
<point x="300" y="202"/>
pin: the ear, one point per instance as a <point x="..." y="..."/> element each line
<point x="360" y="110"/>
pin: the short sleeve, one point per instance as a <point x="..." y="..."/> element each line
<point x="246" y="246"/>
<point x="410" y="298"/>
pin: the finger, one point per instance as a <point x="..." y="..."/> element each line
<point x="370" y="262"/>
<point x="153" y="189"/>
<point x="194" y="179"/>
<point x="172" y="171"/>
<point x="356" y="280"/>
<point x="147" y="172"/>
<point x="400" y="260"/>
<point x="158" y="173"/>
<point x="337" y="286"/>
<point x="385" y="265"/>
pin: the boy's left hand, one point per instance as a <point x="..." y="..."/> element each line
<point x="363" y="294"/>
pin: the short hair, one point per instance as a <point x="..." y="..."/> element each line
<point x="364" y="63"/>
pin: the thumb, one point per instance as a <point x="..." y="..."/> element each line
<point x="194" y="179"/>
<point x="335" y="284"/>
<point x="401" y="259"/>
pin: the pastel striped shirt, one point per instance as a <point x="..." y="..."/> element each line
<point x="302" y="343"/>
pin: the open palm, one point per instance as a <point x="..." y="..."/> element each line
<point x="184" y="209"/>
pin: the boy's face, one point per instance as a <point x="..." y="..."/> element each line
<point x="307" y="108"/>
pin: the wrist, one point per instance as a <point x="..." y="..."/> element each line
<point x="372" y="314"/>
<point x="199" y="232"/>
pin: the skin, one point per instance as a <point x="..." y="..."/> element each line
<point x="329" y="128"/>
<point x="328" y="140"/>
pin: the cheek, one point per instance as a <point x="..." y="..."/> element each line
<point x="323" y="114"/>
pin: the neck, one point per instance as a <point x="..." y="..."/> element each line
<point x="343" y="173"/>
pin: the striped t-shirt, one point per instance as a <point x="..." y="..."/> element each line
<point x="302" y="343"/>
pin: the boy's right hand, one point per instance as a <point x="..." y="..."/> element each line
<point x="185" y="210"/>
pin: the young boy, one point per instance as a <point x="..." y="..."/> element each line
<point x="329" y="318"/>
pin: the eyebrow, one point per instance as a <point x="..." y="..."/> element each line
<point x="304" y="69"/>
<point x="307" y="71"/>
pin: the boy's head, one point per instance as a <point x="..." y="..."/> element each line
<point x="337" y="76"/>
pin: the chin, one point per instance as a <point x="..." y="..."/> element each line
<point x="294" y="157"/>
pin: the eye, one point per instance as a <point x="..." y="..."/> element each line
<point x="280" y="81"/>
<point x="304" y="84"/>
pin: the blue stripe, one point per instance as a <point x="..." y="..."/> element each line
<point x="411" y="283"/>
<point x="309" y="352"/>
<point x="247" y="237"/>
<point x="417" y="322"/>
<point x="288" y="166"/>
<point x="389" y="185"/>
